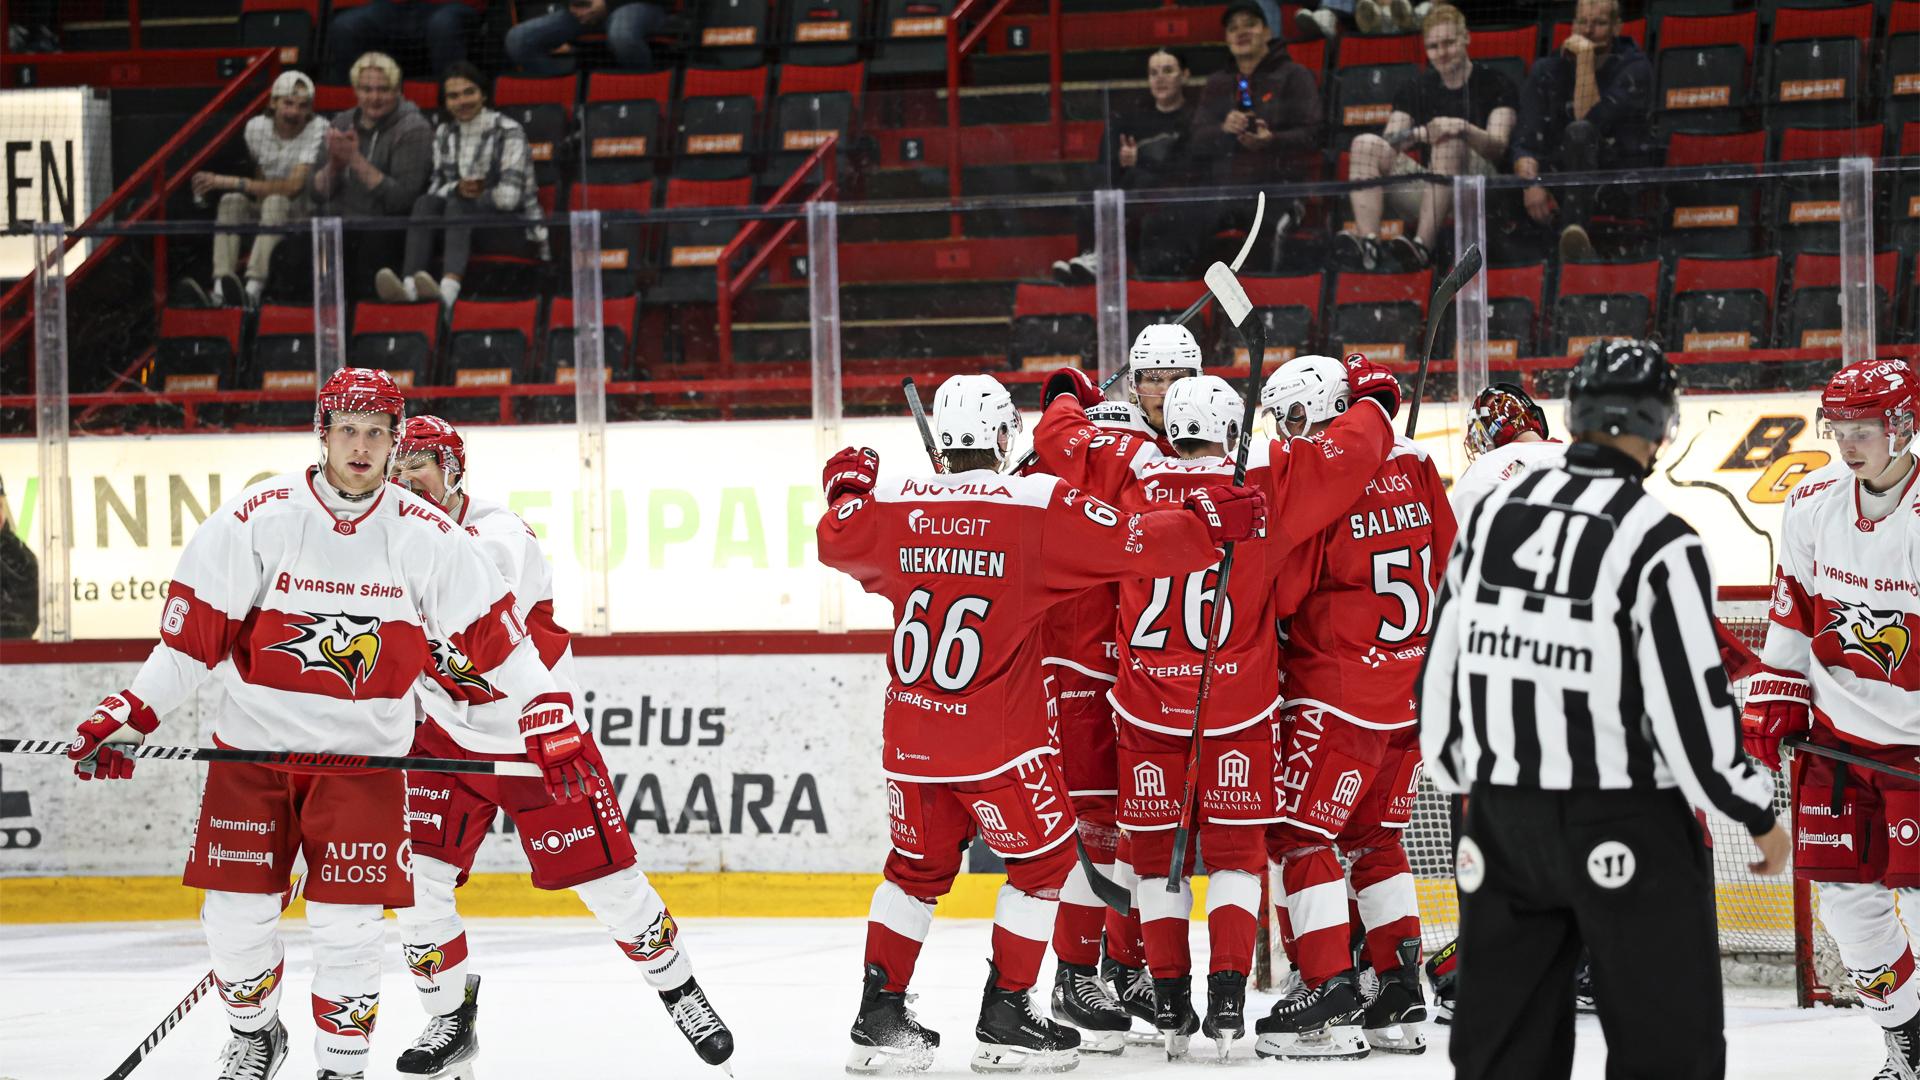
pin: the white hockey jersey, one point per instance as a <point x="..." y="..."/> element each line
<point x="314" y="624"/>
<point x="1496" y="467"/>
<point x="1846" y="607"/>
<point x="467" y="706"/>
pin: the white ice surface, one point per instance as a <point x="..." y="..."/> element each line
<point x="559" y="1001"/>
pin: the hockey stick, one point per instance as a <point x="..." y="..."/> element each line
<point x="1253" y="334"/>
<point x="180" y="1011"/>
<point x="58" y="748"/>
<point x="1851" y="758"/>
<point x="1462" y="272"/>
<point x="919" y="412"/>
<point x="1104" y="887"/>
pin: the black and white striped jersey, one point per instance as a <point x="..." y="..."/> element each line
<point x="1574" y="649"/>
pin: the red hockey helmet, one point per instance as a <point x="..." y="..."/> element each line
<point x="361" y="390"/>
<point x="1501" y="412"/>
<point x="1881" y="390"/>
<point x="432" y="435"/>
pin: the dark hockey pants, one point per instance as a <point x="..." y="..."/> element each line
<point x="1546" y="860"/>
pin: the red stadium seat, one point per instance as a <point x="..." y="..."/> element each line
<point x="1704" y="70"/>
<point x="622" y="121"/>
<point x="401" y="339"/>
<point x="1052" y="327"/>
<point x="1516" y="299"/>
<point x="544" y="108"/>
<point x="1381" y="315"/>
<point x="199" y="348"/>
<point x="1724" y="303"/>
<point x="1598" y="299"/>
<point x="718" y="122"/>
<point x="1713" y="217"/>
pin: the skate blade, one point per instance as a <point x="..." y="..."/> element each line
<point x="887" y="1060"/>
<point x="1328" y="1044"/>
<point x="1397" y="1039"/>
<point x="1102" y="1042"/>
<point x="1137" y="1037"/>
<point x="1177" y="1045"/>
<point x="999" y="1058"/>
<point x="1223" y="1047"/>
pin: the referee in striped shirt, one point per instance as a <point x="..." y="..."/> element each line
<point x="1574" y="690"/>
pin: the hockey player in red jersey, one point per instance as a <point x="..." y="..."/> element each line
<point x="971" y="560"/>
<point x="307" y="598"/>
<point x="1358" y="599"/>
<point x="1841" y="668"/>
<point x="578" y="844"/>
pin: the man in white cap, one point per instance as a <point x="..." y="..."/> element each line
<point x="282" y="144"/>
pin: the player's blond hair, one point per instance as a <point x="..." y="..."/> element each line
<point x="379" y="62"/>
<point x="1443" y="15"/>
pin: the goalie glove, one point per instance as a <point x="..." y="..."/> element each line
<point x="557" y="745"/>
<point x="119" y="720"/>
<point x="1779" y="706"/>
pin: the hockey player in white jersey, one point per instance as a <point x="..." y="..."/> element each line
<point x="306" y="597"/>
<point x="1841" y="669"/>
<point x="578" y="844"/>
<point x="1506" y="435"/>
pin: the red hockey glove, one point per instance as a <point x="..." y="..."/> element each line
<point x="1779" y="705"/>
<point x="121" y="719"/>
<point x="1231" y="514"/>
<point x="850" y="472"/>
<point x="556" y="744"/>
<point x="1368" y="379"/>
<point x="1734" y="654"/>
<point x="1071" y="380"/>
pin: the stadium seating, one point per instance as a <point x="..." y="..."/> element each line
<point x="401" y="339"/>
<point x="733" y="33"/>
<point x="822" y="32"/>
<point x="1723" y="303"/>
<point x="1516" y="299"/>
<point x="1380" y="315"/>
<point x="692" y="247"/>
<point x="544" y="107"/>
<point x="488" y="344"/>
<point x="1367" y="72"/>
<point x="625" y="246"/>
<point x="1807" y="208"/>
<point x="719" y="122"/>
<point x="621" y="126"/>
<point x="1810" y="312"/>
<point x="284" y="24"/>
<point x="199" y="349"/>
<point x="912" y="37"/>
<point x="282" y="360"/>
<point x="1599" y="300"/>
<point x="1510" y="52"/>
<point x="1818" y="59"/>
<point x="1704" y="71"/>
<point x="1052" y="327"/>
<point x="810" y="104"/>
<point x="1290" y="307"/>
<point x="1898" y="80"/>
<point x="1713" y="217"/>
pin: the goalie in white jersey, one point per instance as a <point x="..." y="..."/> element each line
<point x="1842" y="670"/>
<point x="578" y="844"/>
<point x="1506" y="436"/>
<point x="307" y="597"/>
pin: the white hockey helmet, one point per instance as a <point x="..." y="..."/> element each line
<point x="1205" y="408"/>
<point x="1163" y="345"/>
<point x="1304" y="391"/>
<point x="974" y="412"/>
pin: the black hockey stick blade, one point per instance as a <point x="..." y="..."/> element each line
<point x="1470" y="262"/>
<point x="1104" y="887"/>
<point x="58" y="748"/>
<point x="919" y="412"/>
<point x="1801" y="745"/>
<point x="1239" y="260"/>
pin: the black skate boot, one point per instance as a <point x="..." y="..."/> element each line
<point x="1441" y="975"/>
<point x="1318" y="1024"/>
<point x="1226" y="1010"/>
<point x="1397" y="1009"/>
<point x="1132" y="987"/>
<point x="255" y="1055"/>
<point x="886" y="1038"/>
<point x="1903" y="1052"/>
<point x="693" y="1014"/>
<point x="1015" y="1039"/>
<point x="1082" y="1000"/>
<point x="1173" y="1015"/>
<point x="449" y="1044"/>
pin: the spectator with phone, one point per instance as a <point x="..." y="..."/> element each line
<point x="1258" y="121"/>
<point x="1462" y="114"/>
<point x="544" y="45"/>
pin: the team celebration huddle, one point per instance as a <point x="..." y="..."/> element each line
<point x="1206" y="628"/>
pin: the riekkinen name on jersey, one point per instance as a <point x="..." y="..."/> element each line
<point x="965" y="562"/>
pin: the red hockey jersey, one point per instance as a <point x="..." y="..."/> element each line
<point x="971" y="563"/>
<point x="1360" y="596"/>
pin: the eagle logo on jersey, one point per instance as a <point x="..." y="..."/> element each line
<point x="424" y="960"/>
<point x="1880" y="636"/>
<point x="454" y="671"/>
<point x="1875" y="983"/>
<point x="250" y="993"/>
<point x="354" y="1014"/>
<point x="346" y="645"/>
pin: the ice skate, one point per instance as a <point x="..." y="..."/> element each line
<point x="1133" y="988"/>
<point x="1440" y="976"/>
<point x="446" y="1049"/>
<point x="1173" y="1014"/>
<point x="1082" y="1000"/>
<point x="693" y="1014"/>
<point x="1311" y="1025"/>
<point x="1015" y="1039"/>
<point x="255" y="1055"/>
<point x="886" y="1038"/>
<point x="1226" y="1011"/>
<point x="1903" y="1052"/>
<point x="1395" y="1012"/>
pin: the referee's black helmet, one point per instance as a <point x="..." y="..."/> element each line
<point x="1624" y="386"/>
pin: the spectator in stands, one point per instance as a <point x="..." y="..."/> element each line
<point x="543" y="45"/>
<point x="1588" y="103"/>
<point x="1461" y="113"/>
<point x="283" y="144"/>
<point x="1146" y="147"/>
<point x="482" y="168"/>
<point x="19" y="579"/>
<point x="373" y="163"/>
<point x="389" y="24"/>
<point x="1258" y="121"/>
<point x="1333" y="17"/>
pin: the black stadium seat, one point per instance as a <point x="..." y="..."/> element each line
<point x="1515" y="301"/>
<point x="822" y="32"/>
<point x="544" y="107"/>
<point x="1366" y="75"/>
<point x="1052" y="327"/>
<point x="811" y="104"/>
<point x="1723" y="303"/>
<point x="719" y="123"/>
<point x="732" y="34"/>
<point x="1713" y="217"/>
<point x="1818" y="62"/>
<point x="400" y="339"/>
<point x="622" y="126"/>
<point x="1599" y="300"/>
<point x="1704" y="71"/>
<point x="1380" y="315"/>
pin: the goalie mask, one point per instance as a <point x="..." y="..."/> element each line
<point x="432" y="435"/>
<point x="1303" y="392"/>
<point x="1869" y="398"/>
<point x="1501" y="413"/>
<point x="974" y="412"/>
<point x="1204" y="408"/>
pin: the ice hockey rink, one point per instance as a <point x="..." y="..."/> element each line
<point x="559" y="1001"/>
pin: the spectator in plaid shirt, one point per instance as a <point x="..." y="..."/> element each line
<point x="481" y="168"/>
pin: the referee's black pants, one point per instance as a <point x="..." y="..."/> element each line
<point x="1551" y="877"/>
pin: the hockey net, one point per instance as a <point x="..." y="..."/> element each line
<point x="1770" y="933"/>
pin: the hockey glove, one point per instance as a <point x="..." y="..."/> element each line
<point x="1779" y="705"/>
<point x="850" y="472"/>
<point x="121" y="719"/>
<point x="1734" y="654"/>
<point x="1231" y="514"/>
<point x="558" y="746"/>
<point x="1368" y="379"/>
<point x="1072" y="381"/>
